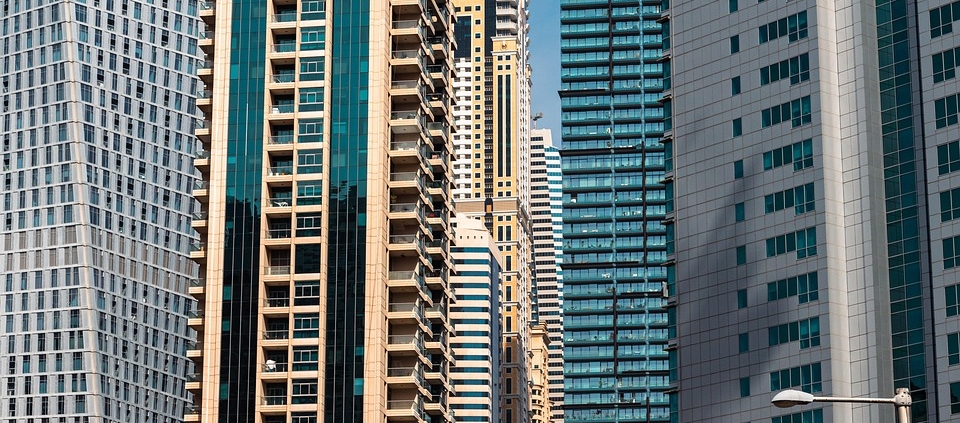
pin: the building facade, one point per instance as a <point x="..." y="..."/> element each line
<point x="546" y="207"/>
<point x="97" y="148"/>
<point x="492" y="167"/>
<point x="616" y="245"/>
<point x="815" y="155"/>
<point x="326" y="245"/>
<point x="475" y="316"/>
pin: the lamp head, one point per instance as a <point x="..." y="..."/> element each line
<point x="790" y="398"/>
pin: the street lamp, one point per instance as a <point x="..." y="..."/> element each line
<point x="902" y="401"/>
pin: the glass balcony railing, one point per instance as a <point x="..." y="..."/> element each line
<point x="285" y="47"/>
<point x="275" y="334"/>
<point x="403" y="207"/>
<point x="276" y="270"/>
<point x="281" y="108"/>
<point x="285" y="170"/>
<point x="280" y="139"/>
<point x="283" y="78"/>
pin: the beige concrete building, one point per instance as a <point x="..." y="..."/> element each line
<point x="492" y="167"/>
<point x="475" y="317"/>
<point x="541" y="408"/>
<point x="325" y="236"/>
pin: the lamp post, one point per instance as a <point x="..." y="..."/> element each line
<point x="902" y="401"/>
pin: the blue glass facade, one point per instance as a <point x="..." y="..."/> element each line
<point x="615" y="198"/>
<point x="238" y="367"/>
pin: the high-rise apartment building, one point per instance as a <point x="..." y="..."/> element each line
<point x="97" y="141"/>
<point x="546" y="208"/>
<point x="475" y="317"/>
<point x="541" y="408"/>
<point x="815" y="161"/>
<point x="492" y="166"/>
<point x="326" y="258"/>
<point x="615" y="191"/>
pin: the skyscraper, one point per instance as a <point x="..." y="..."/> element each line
<point x="492" y="166"/>
<point x="615" y="191"/>
<point x="475" y="317"/>
<point x="546" y="208"/>
<point x="815" y="151"/>
<point x="326" y="260"/>
<point x="97" y="141"/>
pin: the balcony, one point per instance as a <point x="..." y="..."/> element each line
<point x="196" y="288"/>
<point x="286" y="139"/>
<point x="198" y="251"/>
<point x="205" y="101"/>
<point x="206" y="42"/>
<point x="281" y="270"/>
<point x="207" y="12"/>
<point x="199" y="220"/>
<point x="405" y="377"/>
<point x="195" y="320"/>
<point x="201" y="191"/>
<point x="276" y="335"/>
<point x="407" y="281"/>
<point x="201" y="161"/>
<point x="202" y="131"/>
<point x="193" y="383"/>
<point x="409" y="312"/>
<point x="191" y="413"/>
<point x="439" y="131"/>
<point x="408" y="410"/>
<point x="194" y="351"/>
<point x="411" y="344"/>
<point x="409" y="179"/>
<point x="205" y="72"/>
<point x="406" y="121"/>
<point x="284" y="170"/>
<point x="281" y="233"/>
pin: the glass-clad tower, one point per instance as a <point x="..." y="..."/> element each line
<point x="325" y="235"/>
<point x="97" y="145"/>
<point x="615" y="251"/>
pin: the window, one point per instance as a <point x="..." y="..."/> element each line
<point x="945" y="65"/>
<point x="738" y="169"/>
<point x="304" y="391"/>
<point x="945" y="110"/>
<point x="794" y="27"/>
<point x="734" y="44"/>
<point x="741" y="255"/>
<point x="732" y="5"/>
<point x="800" y="198"/>
<point x="739" y="212"/>
<point x="742" y="298"/>
<point x="306" y="325"/>
<point x="801" y="155"/>
<point x="950" y="205"/>
<point x="952" y="293"/>
<point x="942" y="18"/>
<point x="797" y="69"/>
<point x="735" y="85"/>
<point x="807" y="378"/>
<point x="953" y="348"/>
<point x="955" y="398"/>
<point x="744" y="341"/>
<point x="797" y="112"/>
<point x="744" y="387"/>
<point x="311" y="38"/>
<point x="951" y="252"/>
<point x="737" y="127"/>
<point x="804" y="287"/>
<point x="806" y="331"/>
<point x="804" y="242"/>
<point x="810" y="416"/>
<point x="948" y="157"/>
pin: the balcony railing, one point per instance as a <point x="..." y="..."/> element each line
<point x="277" y="302"/>
<point x="278" y="233"/>
<point x="403" y="207"/>
<point x="283" y="78"/>
<point x="284" y="47"/>
<point x="274" y="367"/>
<point x="280" y="139"/>
<point x="276" y="270"/>
<point x="403" y="176"/>
<point x="201" y="184"/>
<point x="275" y="334"/>
<point x="281" y="108"/>
<point x="403" y="239"/>
<point x="406" y="54"/>
<point x="197" y="247"/>
<point x="274" y="400"/>
<point x="404" y="115"/>
<point x="280" y="202"/>
<point x="285" y="17"/>
<point x="406" y="24"/>
<point x="285" y="170"/>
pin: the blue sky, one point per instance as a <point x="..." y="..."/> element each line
<point x="545" y="60"/>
